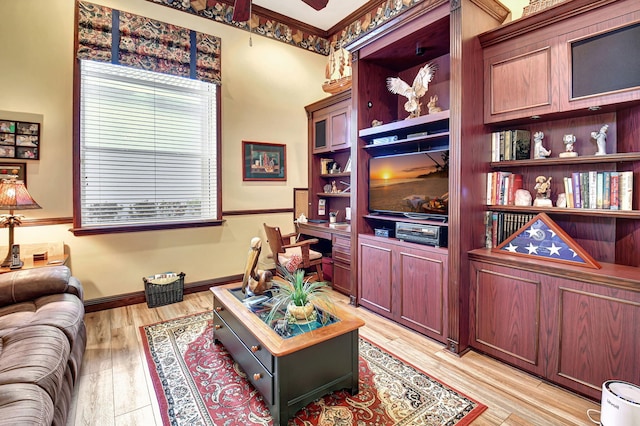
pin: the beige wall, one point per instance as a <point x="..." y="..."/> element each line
<point x="264" y="91"/>
<point x="264" y="87"/>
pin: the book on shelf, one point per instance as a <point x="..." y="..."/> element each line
<point x="599" y="190"/>
<point x="615" y="191"/>
<point x="625" y="183"/>
<point x="606" y="190"/>
<point x="490" y="177"/>
<point x="324" y="165"/>
<point x="593" y="185"/>
<point x="501" y="225"/>
<point x="514" y="183"/>
<point x="495" y="146"/>
<point x="501" y="187"/>
<point x="509" y="145"/>
<point x="584" y="189"/>
<point x="521" y="144"/>
<point x="577" y="198"/>
<point x="568" y="190"/>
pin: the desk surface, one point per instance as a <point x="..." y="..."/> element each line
<point x="29" y="263"/>
<point x="325" y="230"/>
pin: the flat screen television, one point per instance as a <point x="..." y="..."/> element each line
<point x="414" y="185"/>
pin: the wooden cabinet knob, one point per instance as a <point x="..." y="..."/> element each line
<point x="257" y="376"/>
<point x="218" y="326"/>
<point x="255" y="348"/>
<point x="219" y="309"/>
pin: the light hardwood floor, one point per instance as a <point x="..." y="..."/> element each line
<point x="115" y="388"/>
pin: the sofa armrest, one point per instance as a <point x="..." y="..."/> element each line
<point x="29" y="284"/>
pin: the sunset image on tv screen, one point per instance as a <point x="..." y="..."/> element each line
<point x="417" y="182"/>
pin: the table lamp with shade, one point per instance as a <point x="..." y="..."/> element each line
<point x="13" y="196"/>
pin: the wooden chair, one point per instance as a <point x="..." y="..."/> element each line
<point x="285" y="251"/>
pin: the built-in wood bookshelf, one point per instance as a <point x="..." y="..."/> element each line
<point x="561" y="321"/>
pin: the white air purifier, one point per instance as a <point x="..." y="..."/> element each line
<point x="620" y="404"/>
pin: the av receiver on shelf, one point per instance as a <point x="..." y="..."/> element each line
<point x="431" y="235"/>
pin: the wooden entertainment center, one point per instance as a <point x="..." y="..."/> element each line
<point x="574" y="326"/>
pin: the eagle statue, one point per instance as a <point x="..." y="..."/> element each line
<point x="413" y="93"/>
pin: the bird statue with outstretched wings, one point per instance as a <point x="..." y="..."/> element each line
<point x="413" y="93"/>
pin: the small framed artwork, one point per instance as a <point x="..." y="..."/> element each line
<point x="19" y="139"/>
<point x="263" y="161"/>
<point x="8" y="170"/>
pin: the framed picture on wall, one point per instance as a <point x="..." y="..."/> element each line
<point x="7" y="170"/>
<point x="263" y="161"/>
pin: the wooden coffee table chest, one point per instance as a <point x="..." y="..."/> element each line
<point x="288" y="372"/>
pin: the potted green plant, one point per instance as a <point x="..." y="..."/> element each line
<point x="296" y="296"/>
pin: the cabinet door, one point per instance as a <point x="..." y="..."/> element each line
<point x="596" y="337"/>
<point x="505" y="314"/>
<point x="375" y="276"/>
<point x="341" y="254"/>
<point x="520" y="82"/>
<point x="331" y="128"/>
<point x="340" y="126"/>
<point x="422" y="275"/>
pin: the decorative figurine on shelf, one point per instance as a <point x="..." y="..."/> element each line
<point x="376" y="123"/>
<point x="523" y="198"/>
<point x="539" y="151"/>
<point x="433" y="105"/>
<point x="334" y="187"/>
<point x="562" y="200"/>
<point x="543" y="192"/>
<point x="568" y="141"/>
<point x="335" y="168"/>
<point x="413" y="93"/>
<point x="601" y="140"/>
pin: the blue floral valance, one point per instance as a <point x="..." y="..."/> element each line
<point x="110" y="35"/>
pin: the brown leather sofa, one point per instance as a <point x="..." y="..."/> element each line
<point x="42" y="340"/>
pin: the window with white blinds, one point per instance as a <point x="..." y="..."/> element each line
<point x="148" y="147"/>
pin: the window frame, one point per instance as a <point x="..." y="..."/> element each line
<point x="79" y="230"/>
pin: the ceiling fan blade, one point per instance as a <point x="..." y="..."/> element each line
<point x="317" y="4"/>
<point x="241" y="10"/>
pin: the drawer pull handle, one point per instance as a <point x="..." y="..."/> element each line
<point x="257" y="376"/>
<point x="219" y="309"/>
<point x="255" y="348"/>
<point x="218" y="326"/>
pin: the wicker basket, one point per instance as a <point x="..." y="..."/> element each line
<point x="163" y="291"/>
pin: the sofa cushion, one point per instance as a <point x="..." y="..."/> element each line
<point x="63" y="311"/>
<point x="37" y="354"/>
<point x="25" y="404"/>
<point x="29" y="284"/>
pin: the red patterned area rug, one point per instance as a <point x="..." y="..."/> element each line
<point x="198" y="383"/>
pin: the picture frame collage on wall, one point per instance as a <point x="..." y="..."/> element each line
<point x="19" y="139"/>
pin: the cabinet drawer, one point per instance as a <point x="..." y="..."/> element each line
<point x="340" y="254"/>
<point x="256" y="373"/>
<point x="341" y="249"/>
<point x="252" y="344"/>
